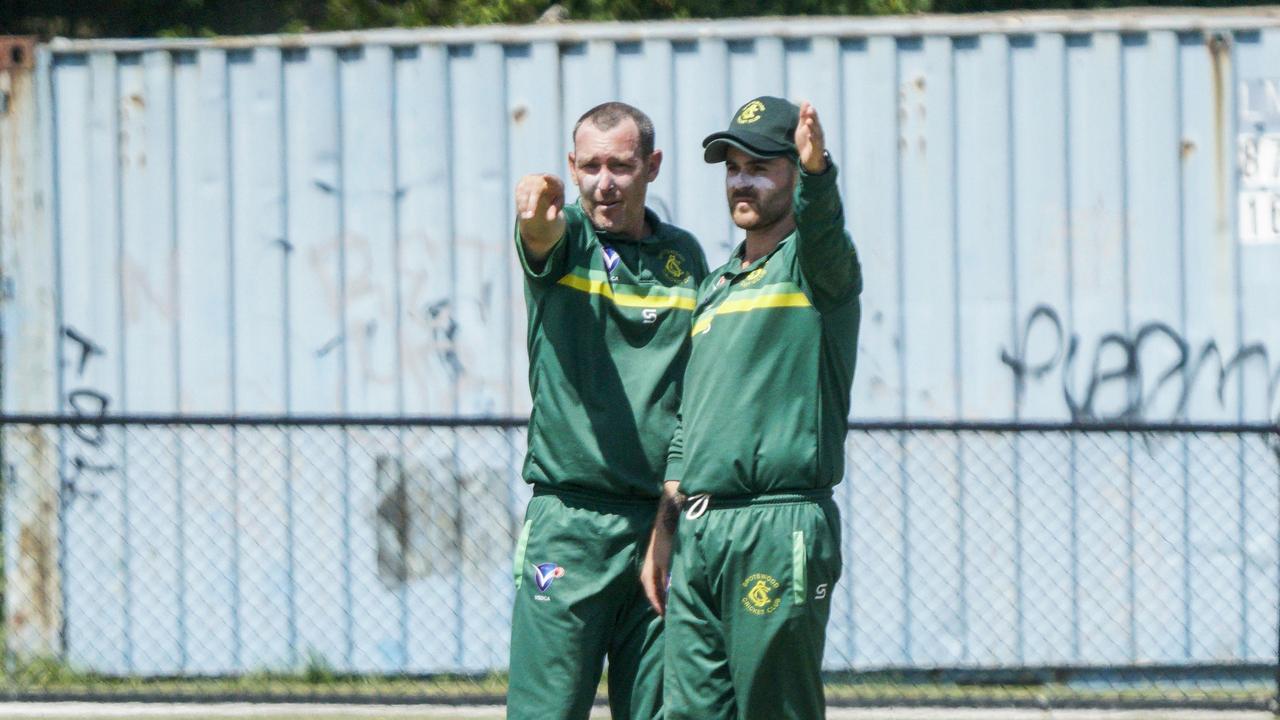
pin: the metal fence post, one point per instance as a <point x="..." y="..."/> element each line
<point x="1275" y="702"/>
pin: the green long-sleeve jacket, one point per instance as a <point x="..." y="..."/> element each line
<point x="608" y="340"/>
<point x="766" y="389"/>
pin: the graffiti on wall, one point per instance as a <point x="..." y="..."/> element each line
<point x="437" y="518"/>
<point x="87" y="453"/>
<point x="1154" y="370"/>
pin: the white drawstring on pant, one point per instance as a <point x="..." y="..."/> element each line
<point x="696" y="505"/>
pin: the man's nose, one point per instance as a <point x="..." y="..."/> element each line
<point x="606" y="180"/>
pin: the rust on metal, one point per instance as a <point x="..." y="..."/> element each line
<point x="17" y="52"/>
<point x="33" y="590"/>
<point x="37" y="546"/>
<point x="1219" y="46"/>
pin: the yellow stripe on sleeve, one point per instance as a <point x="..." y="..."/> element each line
<point x="598" y="287"/>
<point x="759" y="302"/>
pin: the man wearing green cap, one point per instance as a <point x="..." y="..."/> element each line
<point x="765" y="412"/>
<point x="610" y="290"/>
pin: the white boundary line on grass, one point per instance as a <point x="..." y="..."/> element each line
<point x="67" y="710"/>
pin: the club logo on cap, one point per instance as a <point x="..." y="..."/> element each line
<point x="750" y="112"/>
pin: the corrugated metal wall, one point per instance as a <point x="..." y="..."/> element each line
<point x="1058" y="218"/>
<point x="1051" y="222"/>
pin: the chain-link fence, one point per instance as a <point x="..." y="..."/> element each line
<point x="984" y="564"/>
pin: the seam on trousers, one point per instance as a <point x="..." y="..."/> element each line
<point x="521" y="546"/>
<point x="798" y="567"/>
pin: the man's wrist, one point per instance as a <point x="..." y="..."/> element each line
<point x="825" y="158"/>
<point x="669" y="506"/>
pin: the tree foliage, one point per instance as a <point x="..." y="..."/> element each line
<point x="149" y="18"/>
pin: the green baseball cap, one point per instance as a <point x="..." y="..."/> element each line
<point x="764" y="127"/>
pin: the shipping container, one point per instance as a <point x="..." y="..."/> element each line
<point x="1061" y="217"/>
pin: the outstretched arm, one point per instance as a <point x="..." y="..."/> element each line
<point x="827" y="257"/>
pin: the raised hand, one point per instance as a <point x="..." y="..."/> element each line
<point x="809" y="140"/>
<point x="539" y="206"/>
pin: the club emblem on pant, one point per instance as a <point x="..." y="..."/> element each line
<point x="762" y="597"/>
<point x="545" y="574"/>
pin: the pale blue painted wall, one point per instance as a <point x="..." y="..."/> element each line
<point x="1052" y="214"/>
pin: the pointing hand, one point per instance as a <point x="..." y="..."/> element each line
<point x="539" y="198"/>
<point x="539" y="213"/>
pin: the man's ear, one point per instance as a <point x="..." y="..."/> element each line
<point x="653" y="164"/>
<point x="573" y="170"/>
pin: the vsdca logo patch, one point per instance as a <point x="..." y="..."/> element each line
<point x="545" y="574"/>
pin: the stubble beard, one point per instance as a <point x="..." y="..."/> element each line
<point x="611" y="220"/>
<point x="768" y="211"/>
<point x="627" y="210"/>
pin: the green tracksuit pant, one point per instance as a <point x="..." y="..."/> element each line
<point x="751" y="583"/>
<point x="578" y="602"/>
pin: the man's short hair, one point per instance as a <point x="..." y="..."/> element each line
<point x="606" y="116"/>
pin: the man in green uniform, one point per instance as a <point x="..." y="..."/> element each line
<point x="765" y="413"/>
<point x="610" y="291"/>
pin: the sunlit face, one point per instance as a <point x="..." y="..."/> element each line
<point x="759" y="189"/>
<point x="612" y="177"/>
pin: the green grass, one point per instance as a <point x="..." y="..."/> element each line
<point x="317" y="680"/>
